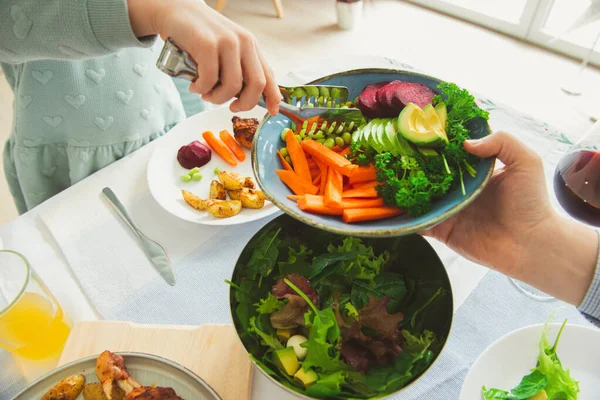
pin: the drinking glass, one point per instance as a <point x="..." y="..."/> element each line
<point x="32" y="323"/>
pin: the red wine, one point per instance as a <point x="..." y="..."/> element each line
<point x="577" y="185"/>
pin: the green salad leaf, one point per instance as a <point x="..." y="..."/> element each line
<point x="298" y="260"/>
<point x="257" y="326"/>
<point x="264" y="256"/>
<point x="269" y="304"/>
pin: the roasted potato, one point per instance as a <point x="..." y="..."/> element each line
<point x="217" y="191"/>
<point x="231" y="180"/>
<point x="224" y="208"/>
<point x="93" y="391"/>
<point x="234" y="194"/>
<point x="249" y="183"/>
<point x="67" y="389"/>
<point x="194" y="200"/>
<point x="252" y="198"/>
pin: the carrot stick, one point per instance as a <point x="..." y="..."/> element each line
<point x="317" y="180"/>
<point x="219" y="148"/>
<point x="312" y="164"/>
<point x="337" y="148"/>
<point x="347" y="186"/>
<point x="369" y="214"/>
<point x="297" y="185"/>
<point x="298" y="157"/>
<point x="323" y="169"/>
<point x="361" y="192"/>
<point x="364" y="185"/>
<point x="286" y="165"/>
<point x="315" y="204"/>
<point x="319" y="201"/>
<point x="364" y="174"/>
<point x="293" y="197"/>
<point x="233" y="145"/>
<point x="321" y="153"/>
<point x="333" y="188"/>
<point x="345" y="151"/>
<point x="314" y="172"/>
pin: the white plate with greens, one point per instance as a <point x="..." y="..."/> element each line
<point x="509" y="365"/>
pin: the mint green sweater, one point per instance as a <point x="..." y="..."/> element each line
<point x="87" y="92"/>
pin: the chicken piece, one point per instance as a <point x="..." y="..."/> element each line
<point x="110" y="369"/>
<point x="224" y="208"/>
<point x="249" y="183"/>
<point x="217" y="191"/>
<point x="194" y="200"/>
<point x="231" y="180"/>
<point x="153" y="393"/>
<point x="244" y="130"/>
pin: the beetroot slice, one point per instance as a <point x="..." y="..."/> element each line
<point x="409" y="92"/>
<point x="384" y="99"/>
<point x="367" y="100"/>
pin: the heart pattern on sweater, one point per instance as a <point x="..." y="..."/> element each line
<point x="25" y="100"/>
<point x="95" y="76"/>
<point x="75" y="102"/>
<point x="140" y="69"/>
<point x="33" y="142"/>
<point x="22" y="24"/>
<point x="42" y="76"/>
<point x="125" y="97"/>
<point x="49" y="172"/>
<point x="146" y="113"/>
<point x="103" y="123"/>
<point x="53" y="121"/>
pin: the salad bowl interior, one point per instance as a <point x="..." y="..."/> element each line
<point x="404" y="274"/>
<point x="265" y="162"/>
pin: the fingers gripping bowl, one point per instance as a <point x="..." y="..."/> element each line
<point x="433" y="177"/>
<point x="328" y="316"/>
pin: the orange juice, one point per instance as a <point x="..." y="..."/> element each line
<point x="34" y="327"/>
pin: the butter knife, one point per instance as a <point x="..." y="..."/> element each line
<point x="156" y="254"/>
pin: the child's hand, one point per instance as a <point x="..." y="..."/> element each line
<point x="222" y="49"/>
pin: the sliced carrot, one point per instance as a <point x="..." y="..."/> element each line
<point x="337" y="148"/>
<point x="333" y="188"/>
<point x="314" y="172"/>
<point x="315" y="204"/>
<point x="233" y="145"/>
<point x="311" y="163"/>
<point x="321" y="153"/>
<point x="323" y="169"/>
<point x="364" y="174"/>
<point x="369" y="214"/>
<point x="297" y="185"/>
<point x="317" y="180"/>
<point x="298" y="157"/>
<point x="219" y="148"/>
<point x="360" y="192"/>
<point x="286" y="165"/>
<point x="363" y="185"/>
<point x="347" y="186"/>
<point x="345" y="151"/>
<point x="345" y="203"/>
<point x="293" y="197"/>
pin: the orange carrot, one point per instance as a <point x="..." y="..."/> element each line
<point x="364" y="174"/>
<point x="337" y="148"/>
<point x="315" y="204"/>
<point x="345" y="151"/>
<point x="321" y="153"/>
<point x="333" y="188"/>
<point x="297" y="185"/>
<point x="293" y="197"/>
<point x="286" y="165"/>
<point x="312" y="164"/>
<point x="219" y="148"/>
<point x="233" y="145"/>
<point x="360" y="192"/>
<point x="369" y="214"/>
<point x="314" y="172"/>
<point x="317" y="180"/>
<point x="363" y="185"/>
<point x="298" y="157"/>
<point x="323" y="169"/>
<point x="347" y="186"/>
<point x="344" y="204"/>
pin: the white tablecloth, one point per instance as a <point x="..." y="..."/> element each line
<point x="29" y="234"/>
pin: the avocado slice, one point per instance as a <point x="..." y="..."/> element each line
<point x="378" y="136"/>
<point x="540" y="396"/>
<point x="428" y="152"/>
<point x="442" y="113"/>
<point x="414" y="126"/>
<point x="357" y="135"/>
<point x="284" y="334"/>
<point x="371" y="132"/>
<point x="286" y="360"/>
<point x="306" y="378"/>
<point x="366" y="132"/>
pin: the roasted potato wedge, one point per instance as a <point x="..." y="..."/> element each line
<point x="231" y="180"/>
<point x="194" y="200"/>
<point x="217" y="191"/>
<point x="93" y="391"/>
<point x="249" y="183"/>
<point x="234" y="194"/>
<point x="224" y="208"/>
<point x="67" y="389"/>
<point x="252" y="198"/>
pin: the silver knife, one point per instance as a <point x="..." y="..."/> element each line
<point x="156" y="254"/>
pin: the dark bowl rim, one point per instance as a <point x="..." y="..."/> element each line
<point x="302" y="216"/>
<point x="232" y="300"/>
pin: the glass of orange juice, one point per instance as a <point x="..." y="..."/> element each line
<point x="32" y="323"/>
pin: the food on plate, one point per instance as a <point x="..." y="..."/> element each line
<point x="325" y="315"/>
<point x="153" y="393"/>
<point x="224" y="208"/>
<point x="111" y="370"/>
<point x="193" y="174"/>
<point x="244" y="130"/>
<point x="241" y="194"/>
<point x="232" y="144"/>
<point x="93" y="391"/>
<point x="220" y="148"/>
<point x="67" y="389"/>
<point x="217" y="191"/>
<point x="194" y="154"/>
<point x="549" y="380"/>
<point x="408" y="153"/>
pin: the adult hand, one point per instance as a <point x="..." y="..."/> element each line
<point x="222" y="50"/>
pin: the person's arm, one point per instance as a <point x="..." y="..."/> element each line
<point x="64" y="30"/>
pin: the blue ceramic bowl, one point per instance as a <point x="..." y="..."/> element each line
<point x="265" y="161"/>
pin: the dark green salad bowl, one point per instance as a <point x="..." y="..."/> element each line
<point x="369" y="316"/>
<point x="265" y="162"/>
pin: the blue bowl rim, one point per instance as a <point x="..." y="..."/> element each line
<point x="353" y="231"/>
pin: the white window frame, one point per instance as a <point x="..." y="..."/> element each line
<point x="529" y="28"/>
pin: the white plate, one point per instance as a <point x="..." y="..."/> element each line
<point x="510" y="358"/>
<point x="164" y="171"/>
<point x="147" y="369"/>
